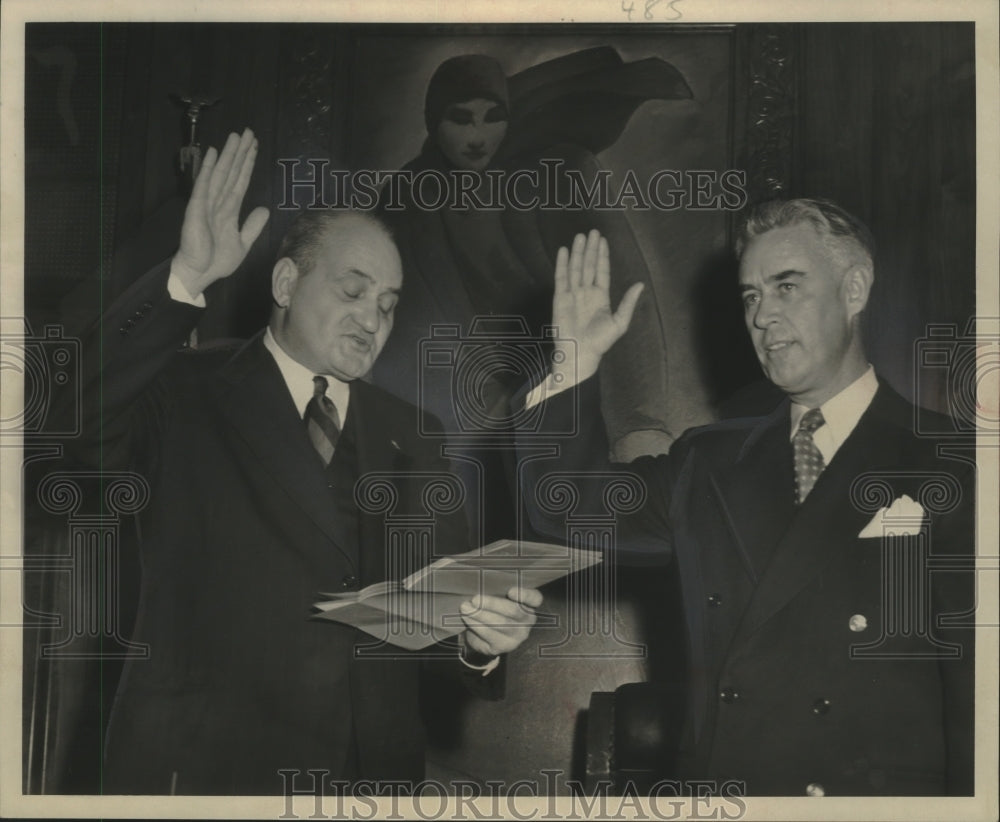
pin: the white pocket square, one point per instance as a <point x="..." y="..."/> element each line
<point x="905" y="516"/>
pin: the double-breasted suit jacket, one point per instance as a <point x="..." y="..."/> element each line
<point x="779" y="599"/>
<point x="244" y="527"/>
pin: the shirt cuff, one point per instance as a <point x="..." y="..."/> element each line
<point x="546" y="390"/>
<point x="478" y="662"/>
<point x="178" y="291"/>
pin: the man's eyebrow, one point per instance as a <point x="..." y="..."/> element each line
<point x="358" y="272"/>
<point x="780" y="277"/>
<point x="365" y="275"/>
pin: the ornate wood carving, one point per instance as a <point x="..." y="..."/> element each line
<point x="771" y="112"/>
<point x="306" y="110"/>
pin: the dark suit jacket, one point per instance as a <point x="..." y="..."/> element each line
<point x="243" y="529"/>
<point x="780" y="696"/>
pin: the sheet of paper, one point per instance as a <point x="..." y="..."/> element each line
<point x="428" y="611"/>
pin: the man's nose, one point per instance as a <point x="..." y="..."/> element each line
<point x="368" y="316"/>
<point x="766" y="312"/>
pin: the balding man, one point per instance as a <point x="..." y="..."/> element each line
<point x="824" y="657"/>
<point x="252" y="456"/>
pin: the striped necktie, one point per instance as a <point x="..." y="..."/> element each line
<point x="322" y="421"/>
<point x="808" y="460"/>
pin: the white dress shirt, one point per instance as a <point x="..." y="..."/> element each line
<point x="299" y="380"/>
<point x="840" y="414"/>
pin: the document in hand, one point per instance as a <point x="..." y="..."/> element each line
<point x="423" y="608"/>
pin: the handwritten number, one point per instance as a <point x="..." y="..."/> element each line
<point x="678" y="14"/>
<point x="649" y="6"/>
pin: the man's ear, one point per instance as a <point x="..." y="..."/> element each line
<point x="284" y="276"/>
<point x="857" y="287"/>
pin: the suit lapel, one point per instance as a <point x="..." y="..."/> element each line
<point x="757" y="493"/>
<point x="827" y="520"/>
<point x="380" y="449"/>
<point x="254" y="398"/>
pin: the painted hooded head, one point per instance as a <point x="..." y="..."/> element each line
<point x="466" y="110"/>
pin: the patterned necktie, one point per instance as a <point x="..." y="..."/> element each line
<point x="322" y="421"/>
<point x="808" y="460"/>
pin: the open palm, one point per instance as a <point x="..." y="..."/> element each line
<point x="212" y="243"/>
<point x="581" y="308"/>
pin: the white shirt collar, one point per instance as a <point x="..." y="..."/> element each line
<point x="299" y="380"/>
<point x="840" y="414"/>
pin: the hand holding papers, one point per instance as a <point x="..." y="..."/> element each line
<point x="425" y="607"/>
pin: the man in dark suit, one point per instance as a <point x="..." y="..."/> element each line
<point x="253" y="456"/>
<point x="824" y="659"/>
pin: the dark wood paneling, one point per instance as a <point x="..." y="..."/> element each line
<point x="887" y="124"/>
<point x="835" y="114"/>
<point x="73" y="104"/>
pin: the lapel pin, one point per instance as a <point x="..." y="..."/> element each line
<point x="395" y="445"/>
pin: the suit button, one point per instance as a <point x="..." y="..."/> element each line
<point x="129" y="323"/>
<point x="714" y="600"/>
<point x="349" y="581"/>
<point x="729" y="695"/>
<point x="821" y="706"/>
<point x="123" y="331"/>
<point x="146" y="306"/>
<point x="857" y="623"/>
<point x="815" y="789"/>
<point x="138" y="315"/>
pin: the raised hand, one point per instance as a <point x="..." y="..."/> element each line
<point x="497" y="625"/>
<point x="212" y="243"/>
<point x="581" y="308"/>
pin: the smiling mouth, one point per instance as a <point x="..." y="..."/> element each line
<point x="770" y="348"/>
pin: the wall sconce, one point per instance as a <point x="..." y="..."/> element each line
<point x="189" y="157"/>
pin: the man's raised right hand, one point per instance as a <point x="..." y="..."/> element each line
<point x="581" y="309"/>
<point x="212" y="243"/>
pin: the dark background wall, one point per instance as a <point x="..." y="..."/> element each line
<point x="879" y="117"/>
